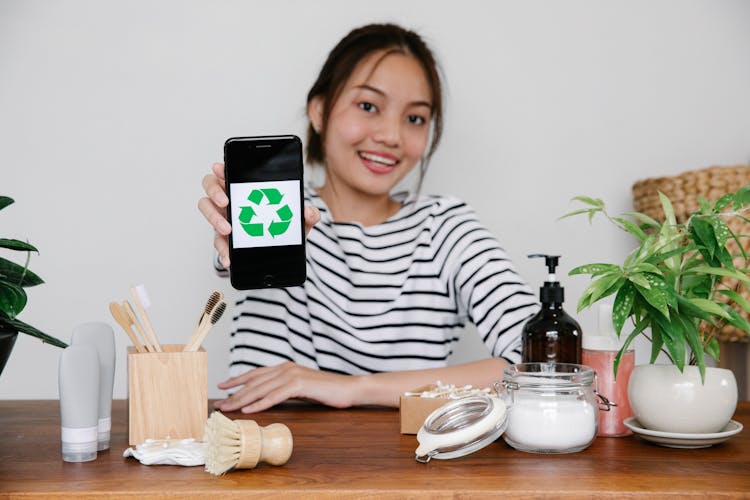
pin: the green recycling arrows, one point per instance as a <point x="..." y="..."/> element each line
<point x="276" y="227"/>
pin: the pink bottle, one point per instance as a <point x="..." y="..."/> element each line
<point x="599" y="352"/>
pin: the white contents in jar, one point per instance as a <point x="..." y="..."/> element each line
<point x="538" y="423"/>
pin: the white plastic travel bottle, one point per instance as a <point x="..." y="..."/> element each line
<point x="102" y="337"/>
<point x="79" y="402"/>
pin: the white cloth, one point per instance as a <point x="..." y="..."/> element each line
<point x="187" y="452"/>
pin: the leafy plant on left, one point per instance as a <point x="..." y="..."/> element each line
<point x="13" y="279"/>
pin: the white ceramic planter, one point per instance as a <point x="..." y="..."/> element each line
<point x="663" y="399"/>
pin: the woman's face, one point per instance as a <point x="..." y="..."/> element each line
<point x="378" y="127"/>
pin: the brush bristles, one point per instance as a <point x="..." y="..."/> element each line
<point x="223" y="444"/>
<point x="216" y="315"/>
<point x="212" y="301"/>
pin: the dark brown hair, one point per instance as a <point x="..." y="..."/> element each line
<point x="342" y="61"/>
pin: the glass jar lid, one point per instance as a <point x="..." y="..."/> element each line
<point x="461" y="427"/>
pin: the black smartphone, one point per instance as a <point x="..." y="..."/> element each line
<point x="264" y="184"/>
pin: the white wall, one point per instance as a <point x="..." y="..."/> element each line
<point x="111" y="112"/>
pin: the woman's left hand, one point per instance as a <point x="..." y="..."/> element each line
<point x="271" y="385"/>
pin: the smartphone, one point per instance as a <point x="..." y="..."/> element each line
<point x="264" y="184"/>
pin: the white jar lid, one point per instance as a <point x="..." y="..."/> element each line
<point x="461" y="427"/>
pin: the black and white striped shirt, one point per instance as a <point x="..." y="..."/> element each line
<point x="389" y="297"/>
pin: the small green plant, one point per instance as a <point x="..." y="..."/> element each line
<point x="13" y="279"/>
<point x="672" y="281"/>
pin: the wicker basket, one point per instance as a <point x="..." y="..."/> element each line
<point x="683" y="191"/>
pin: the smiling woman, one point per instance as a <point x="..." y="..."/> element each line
<point x="391" y="279"/>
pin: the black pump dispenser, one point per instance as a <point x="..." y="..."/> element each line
<point x="551" y="335"/>
<point x="551" y="292"/>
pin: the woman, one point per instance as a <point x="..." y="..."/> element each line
<point x="391" y="279"/>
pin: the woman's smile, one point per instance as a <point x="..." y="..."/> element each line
<point x="378" y="163"/>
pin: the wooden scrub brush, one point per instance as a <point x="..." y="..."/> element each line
<point x="242" y="444"/>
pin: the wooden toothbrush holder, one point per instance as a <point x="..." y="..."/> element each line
<point x="167" y="394"/>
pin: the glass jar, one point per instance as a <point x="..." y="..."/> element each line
<point x="553" y="407"/>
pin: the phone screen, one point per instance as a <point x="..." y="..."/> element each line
<point x="264" y="184"/>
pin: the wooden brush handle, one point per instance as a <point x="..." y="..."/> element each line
<point x="119" y="314"/>
<point x="271" y="444"/>
<point x="146" y="321"/>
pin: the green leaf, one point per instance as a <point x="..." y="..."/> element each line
<point x="639" y="327"/>
<point x="713" y="349"/>
<point x="594" y="202"/>
<point x="632" y="228"/>
<point x="593" y="269"/>
<point x="721" y="230"/>
<point x="704" y="204"/>
<point x="15" y="273"/>
<point x="666" y="205"/>
<point x="742" y="197"/>
<point x="644" y="219"/>
<point x="723" y="202"/>
<point x="703" y="234"/>
<point x="645" y="267"/>
<point x="725" y="258"/>
<point x="656" y="297"/>
<point x="661" y="257"/>
<point x="740" y="246"/>
<point x="657" y="341"/>
<point x="589" y="211"/>
<point x="622" y="306"/>
<point x="693" y="337"/>
<point x="17" y="245"/>
<point x="640" y="280"/>
<point x="719" y="271"/>
<point x="736" y="298"/>
<point x="710" y="307"/>
<point x="688" y="308"/>
<point x="738" y="321"/>
<point x="5" y="201"/>
<point x="674" y="340"/>
<point x="30" y="330"/>
<point x="12" y="299"/>
<point x="601" y="287"/>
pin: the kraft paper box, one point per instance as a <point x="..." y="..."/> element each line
<point x="167" y="394"/>
<point x="415" y="409"/>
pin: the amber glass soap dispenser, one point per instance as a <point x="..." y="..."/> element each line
<point x="552" y="335"/>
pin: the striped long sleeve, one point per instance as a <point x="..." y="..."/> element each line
<point x="389" y="297"/>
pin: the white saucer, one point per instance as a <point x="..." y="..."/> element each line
<point x="682" y="440"/>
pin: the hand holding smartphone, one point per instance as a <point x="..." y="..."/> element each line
<point x="263" y="178"/>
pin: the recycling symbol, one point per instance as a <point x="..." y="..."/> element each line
<point x="257" y="227"/>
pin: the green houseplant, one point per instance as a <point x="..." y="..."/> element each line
<point x="13" y="279"/>
<point x="670" y="286"/>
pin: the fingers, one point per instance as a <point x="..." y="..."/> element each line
<point x="312" y="217"/>
<point x="218" y="169"/>
<point x="264" y="387"/>
<point x="213" y="185"/>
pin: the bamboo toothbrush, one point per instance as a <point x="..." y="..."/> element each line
<point x="121" y="317"/>
<point x="205" y="326"/>
<point x="134" y="321"/>
<point x="214" y="299"/>
<point x="142" y="302"/>
<point x="242" y="444"/>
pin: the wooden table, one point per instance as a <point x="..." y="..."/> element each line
<point x="359" y="453"/>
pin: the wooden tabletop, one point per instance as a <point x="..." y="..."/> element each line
<point x="359" y="453"/>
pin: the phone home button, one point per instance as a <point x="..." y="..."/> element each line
<point x="268" y="280"/>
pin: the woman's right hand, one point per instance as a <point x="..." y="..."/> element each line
<point x="213" y="206"/>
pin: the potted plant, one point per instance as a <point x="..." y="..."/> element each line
<point x="671" y="289"/>
<point x="13" y="279"/>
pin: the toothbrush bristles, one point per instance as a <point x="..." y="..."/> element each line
<point x="212" y="301"/>
<point x="218" y="312"/>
